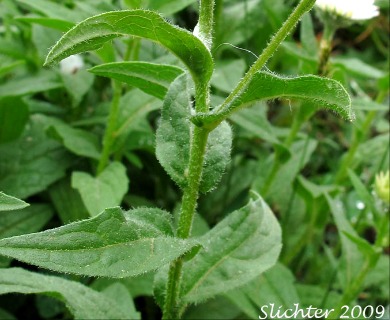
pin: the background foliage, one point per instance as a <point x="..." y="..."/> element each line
<point x="315" y="170"/>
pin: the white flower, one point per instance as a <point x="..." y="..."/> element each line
<point x="71" y="64"/>
<point x="351" y="9"/>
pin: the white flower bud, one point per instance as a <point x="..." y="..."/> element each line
<point x="71" y="64"/>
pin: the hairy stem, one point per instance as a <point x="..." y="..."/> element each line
<point x="188" y="206"/>
<point x="199" y="138"/>
<point x="206" y="20"/>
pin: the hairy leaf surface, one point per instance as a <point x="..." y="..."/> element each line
<point x="173" y="140"/>
<point x="238" y="249"/>
<point x="82" y="302"/>
<point x="93" y="32"/>
<point x="151" y="78"/>
<point x="327" y="93"/>
<point x="113" y="244"/>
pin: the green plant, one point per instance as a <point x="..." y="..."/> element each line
<point x="193" y="145"/>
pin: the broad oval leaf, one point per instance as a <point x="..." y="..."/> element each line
<point x="93" y="32"/>
<point x="324" y="92"/>
<point x="11" y="203"/>
<point x="173" y="140"/>
<point x="82" y="302"/>
<point x="217" y="156"/>
<point x="237" y="250"/>
<point x="78" y="141"/>
<point x="151" y="78"/>
<point x="104" y="191"/>
<point x="113" y="244"/>
<point x="173" y="133"/>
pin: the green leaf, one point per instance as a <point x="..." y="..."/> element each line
<point x="173" y="133"/>
<point x="218" y="308"/>
<point x="307" y="35"/>
<point x="78" y="141"/>
<point x="14" y="115"/>
<point x="237" y="250"/>
<point x="58" y="24"/>
<point x="93" y="32"/>
<point x="151" y="78"/>
<point x="173" y="138"/>
<point x="169" y="7"/>
<point x="358" y="68"/>
<point x="82" y="302"/>
<point x="217" y="156"/>
<point x="104" y="191"/>
<point x="11" y="203"/>
<point x="113" y="244"/>
<point x="30" y="85"/>
<point x="5" y="68"/>
<point x="77" y="85"/>
<point x="273" y="286"/>
<point x="68" y="202"/>
<point x="227" y="74"/>
<point x="53" y="10"/>
<point x="352" y="259"/>
<point x="327" y="93"/>
<point x="363" y="193"/>
<point x="119" y="293"/>
<point x="27" y="220"/>
<point x="33" y="162"/>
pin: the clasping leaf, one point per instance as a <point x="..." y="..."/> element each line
<point x="113" y="244"/>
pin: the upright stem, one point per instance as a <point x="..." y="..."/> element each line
<point x="206" y="21"/>
<point x="199" y="138"/>
<point x="188" y="206"/>
<point x="325" y="49"/>
<point x="108" y="138"/>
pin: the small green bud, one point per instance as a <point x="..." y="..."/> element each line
<point x="382" y="186"/>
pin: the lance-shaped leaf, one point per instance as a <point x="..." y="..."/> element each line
<point x="82" y="302"/>
<point x="11" y="203"/>
<point x="93" y="32"/>
<point x="237" y="250"/>
<point x="173" y="140"/>
<point x="151" y="78"/>
<point x="326" y="93"/>
<point x="113" y="244"/>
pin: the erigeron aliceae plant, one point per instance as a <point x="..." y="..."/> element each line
<point x="350" y="9"/>
<point x="193" y="144"/>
